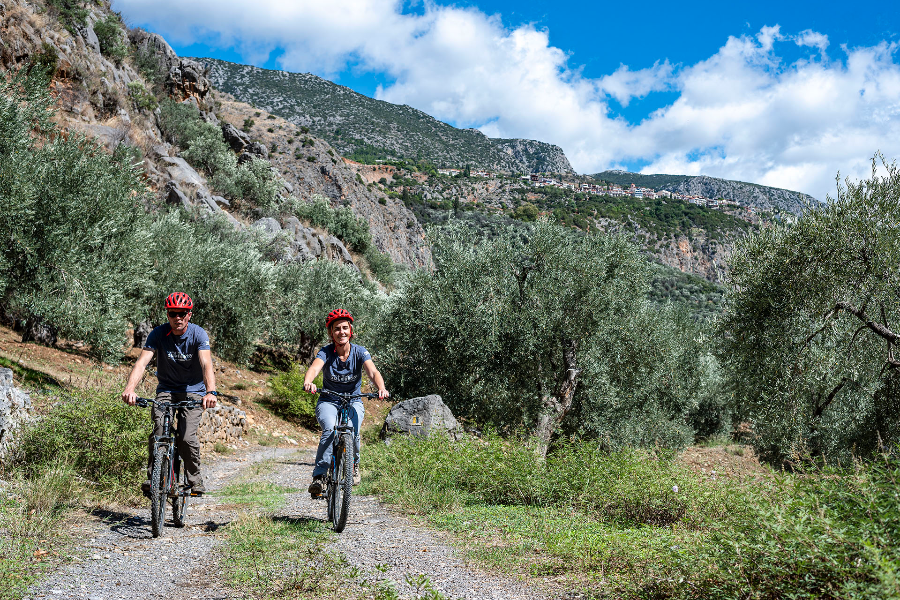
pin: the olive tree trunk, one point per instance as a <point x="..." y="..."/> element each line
<point x="555" y="407"/>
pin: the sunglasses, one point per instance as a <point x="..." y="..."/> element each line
<point x="177" y="314"/>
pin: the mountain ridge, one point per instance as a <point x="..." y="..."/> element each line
<point x="760" y="196"/>
<point x="360" y="127"/>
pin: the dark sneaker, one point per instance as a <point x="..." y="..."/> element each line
<point x="145" y="488"/>
<point x="356" y="477"/>
<point x="317" y="486"/>
<point x="198" y="489"/>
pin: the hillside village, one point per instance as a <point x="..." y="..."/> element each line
<point x="544" y="180"/>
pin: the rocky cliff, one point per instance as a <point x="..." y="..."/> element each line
<point x="108" y="85"/>
<point x="357" y="125"/>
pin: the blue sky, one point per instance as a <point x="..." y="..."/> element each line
<point x="780" y="93"/>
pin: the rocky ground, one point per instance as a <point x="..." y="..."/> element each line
<point x="119" y="559"/>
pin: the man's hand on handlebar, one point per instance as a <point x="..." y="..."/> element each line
<point x="209" y="401"/>
<point x="129" y="397"/>
<point x="310" y="387"/>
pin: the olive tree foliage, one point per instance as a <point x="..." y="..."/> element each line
<point x="305" y="293"/>
<point x="72" y="224"/>
<point x="222" y="269"/>
<point x="651" y="382"/>
<point x="519" y="333"/>
<point x="813" y="322"/>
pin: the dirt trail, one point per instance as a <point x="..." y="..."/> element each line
<point x="119" y="559"/>
<point x="384" y="545"/>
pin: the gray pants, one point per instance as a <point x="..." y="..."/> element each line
<point x="187" y="420"/>
<point x="327" y="414"/>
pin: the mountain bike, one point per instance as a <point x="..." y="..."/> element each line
<point x="168" y="477"/>
<point x="339" y="477"/>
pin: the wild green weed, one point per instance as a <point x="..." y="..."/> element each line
<point x="290" y="400"/>
<point x="631" y="524"/>
<point x="103" y="441"/>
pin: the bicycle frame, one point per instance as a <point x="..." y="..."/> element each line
<point x="338" y="485"/>
<point x="166" y="441"/>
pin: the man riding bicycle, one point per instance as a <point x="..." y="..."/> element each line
<point x="343" y="363"/>
<point x="185" y="372"/>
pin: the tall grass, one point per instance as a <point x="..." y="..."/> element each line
<point x="89" y="449"/>
<point x="633" y="524"/>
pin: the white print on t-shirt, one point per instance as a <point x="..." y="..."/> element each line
<point x="343" y="378"/>
<point x="179" y="356"/>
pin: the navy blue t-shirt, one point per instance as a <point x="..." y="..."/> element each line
<point x="178" y="366"/>
<point x="343" y="376"/>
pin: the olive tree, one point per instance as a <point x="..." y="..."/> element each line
<point x="813" y="321"/>
<point x="72" y="222"/>
<point x="222" y="269"/>
<point x="509" y="329"/>
<point x="305" y="293"/>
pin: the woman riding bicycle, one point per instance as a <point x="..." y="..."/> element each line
<point x="343" y="363"/>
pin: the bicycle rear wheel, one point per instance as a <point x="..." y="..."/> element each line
<point x="343" y="487"/>
<point x="158" y="492"/>
<point x="179" y="501"/>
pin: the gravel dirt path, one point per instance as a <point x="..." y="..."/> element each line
<point x="384" y="545"/>
<point x="120" y="560"/>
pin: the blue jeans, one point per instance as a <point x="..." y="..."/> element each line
<point x="327" y="413"/>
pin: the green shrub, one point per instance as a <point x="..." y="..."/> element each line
<point x="100" y="437"/>
<point x="381" y="265"/>
<point x="142" y="97"/>
<point x="47" y="60"/>
<point x="248" y="124"/>
<point x="150" y="65"/>
<point x="110" y="35"/>
<point x="253" y="181"/>
<point x="70" y="12"/>
<point x="290" y="400"/>
<point x="340" y="222"/>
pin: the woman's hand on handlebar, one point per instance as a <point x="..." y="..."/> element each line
<point x="383" y="393"/>
<point x="310" y="387"/>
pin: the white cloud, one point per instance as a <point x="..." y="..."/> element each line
<point x="813" y="39"/>
<point x="743" y="113"/>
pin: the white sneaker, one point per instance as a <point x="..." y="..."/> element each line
<point x="356" y="477"/>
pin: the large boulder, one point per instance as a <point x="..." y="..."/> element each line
<point x="421" y="417"/>
<point x="234" y="137"/>
<point x="182" y="173"/>
<point x="187" y="79"/>
<point x="175" y="196"/>
<point x="15" y="409"/>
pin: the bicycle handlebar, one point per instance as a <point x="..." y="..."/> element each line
<point x="346" y="396"/>
<point x="145" y="402"/>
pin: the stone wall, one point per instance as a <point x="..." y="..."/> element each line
<point x="15" y="409"/>
<point x="224" y="425"/>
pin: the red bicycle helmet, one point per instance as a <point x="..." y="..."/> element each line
<point x="338" y="313"/>
<point x="179" y="300"/>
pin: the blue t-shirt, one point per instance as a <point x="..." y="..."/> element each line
<point x="178" y="366"/>
<point x="343" y="376"/>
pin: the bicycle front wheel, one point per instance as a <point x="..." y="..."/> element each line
<point x="343" y="487"/>
<point x="158" y="492"/>
<point x="179" y="501"/>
